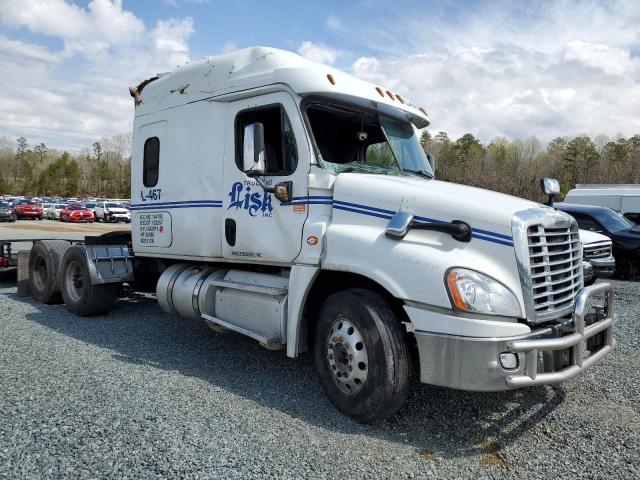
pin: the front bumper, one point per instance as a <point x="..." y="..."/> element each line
<point x="603" y="267"/>
<point x="119" y="217"/>
<point x="29" y="214"/>
<point x="546" y="356"/>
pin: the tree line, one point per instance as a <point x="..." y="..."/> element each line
<point x="510" y="166"/>
<point x="516" y="166"/>
<point x="41" y="171"/>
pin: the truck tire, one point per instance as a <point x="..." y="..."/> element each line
<point x="79" y="295"/>
<point x="44" y="264"/>
<point x="361" y="355"/>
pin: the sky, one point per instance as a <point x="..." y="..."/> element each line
<point x="491" y="68"/>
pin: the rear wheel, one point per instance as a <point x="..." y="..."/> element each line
<point x="80" y="296"/>
<point x="44" y="264"/>
<point x="361" y="355"/>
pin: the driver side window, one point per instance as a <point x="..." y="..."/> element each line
<point x="280" y="142"/>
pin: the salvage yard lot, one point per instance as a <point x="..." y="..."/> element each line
<point x="140" y="394"/>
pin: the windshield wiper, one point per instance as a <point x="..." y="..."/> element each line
<point x="421" y="173"/>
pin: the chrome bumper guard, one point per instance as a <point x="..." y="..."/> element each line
<point x="574" y="342"/>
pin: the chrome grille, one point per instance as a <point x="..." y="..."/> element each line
<point x="555" y="267"/>
<point x="602" y="250"/>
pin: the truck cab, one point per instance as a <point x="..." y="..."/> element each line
<point x="293" y="203"/>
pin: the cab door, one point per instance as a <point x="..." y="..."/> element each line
<point x="257" y="227"/>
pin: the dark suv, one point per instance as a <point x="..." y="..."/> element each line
<point x="624" y="234"/>
<point x="6" y="212"/>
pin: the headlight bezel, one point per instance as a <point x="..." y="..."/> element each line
<point x="516" y="308"/>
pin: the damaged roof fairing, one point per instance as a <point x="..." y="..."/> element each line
<point x="256" y="67"/>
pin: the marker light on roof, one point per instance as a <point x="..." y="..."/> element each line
<point x="400" y="98"/>
<point x="422" y="110"/>
<point x="390" y="95"/>
<point x="331" y="79"/>
<point x="380" y="91"/>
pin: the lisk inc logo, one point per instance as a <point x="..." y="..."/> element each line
<point x="255" y="203"/>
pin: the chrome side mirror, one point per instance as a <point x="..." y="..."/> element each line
<point x="551" y="188"/>
<point x="399" y="225"/>
<point x="253" y="150"/>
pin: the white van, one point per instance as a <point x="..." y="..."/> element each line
<point x="624" y="199"/>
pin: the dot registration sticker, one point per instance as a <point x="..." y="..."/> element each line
<point x="153" y="229"/>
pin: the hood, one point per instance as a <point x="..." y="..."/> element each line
<point x="587" y="237"/>
<point x="631" y="234"/>
<point x="432" y="199"/>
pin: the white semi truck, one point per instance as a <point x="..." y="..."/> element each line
<point x="292" y="203"/>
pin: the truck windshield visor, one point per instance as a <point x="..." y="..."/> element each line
<point x="353" y="139"/>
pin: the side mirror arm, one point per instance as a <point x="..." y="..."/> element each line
<point x="283" y="191"/>
<point x="402" y="222"/>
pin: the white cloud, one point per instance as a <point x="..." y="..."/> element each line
<point x="171" y="37"/>
<point x="89" y="31"/>
<point x="229" y="46"/>
<point x="318" y="52"/>
<point x="13" y="49"/>
<point x="572" y="68"/>
<point x="72" y="98"/>
<point x="334" y="23"/>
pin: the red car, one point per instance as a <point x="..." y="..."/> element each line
<point x="76" y="213"/>
<point x="26" y="208"/>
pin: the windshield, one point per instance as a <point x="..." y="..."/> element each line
<point x="613" y="221"/>
<point x="4" y="205"/>
<point x="350" y="139"/>
<point x="114" y="205"/>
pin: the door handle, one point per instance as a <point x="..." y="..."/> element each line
<point x="230" y="231"/>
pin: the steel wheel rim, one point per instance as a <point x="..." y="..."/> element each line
<point x="347" y="356"/>
<point x="40" y="273"/>
<point x="74" y="281"/>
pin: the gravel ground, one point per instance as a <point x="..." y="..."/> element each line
<point x="139" y="394"/>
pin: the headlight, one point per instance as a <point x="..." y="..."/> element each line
<point x="472" y="291"/>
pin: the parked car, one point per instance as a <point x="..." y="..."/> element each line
<point x="597" y="256"/>
<point x="53" y="212"/>
<point x="28" y="208"/>
<point x="76" y="213"/>
<point x="91" y="206"/>
<point x="6" y="212"/>
<point x="624" y="234"/>
<point x="112" y="212"/>
<point x="624" y="199"/>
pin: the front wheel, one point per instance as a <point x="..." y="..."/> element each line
<point x="361" y="355"/>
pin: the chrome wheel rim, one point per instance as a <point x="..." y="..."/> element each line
<point x="74" y="281"/>
<point x="347" y="356"/>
